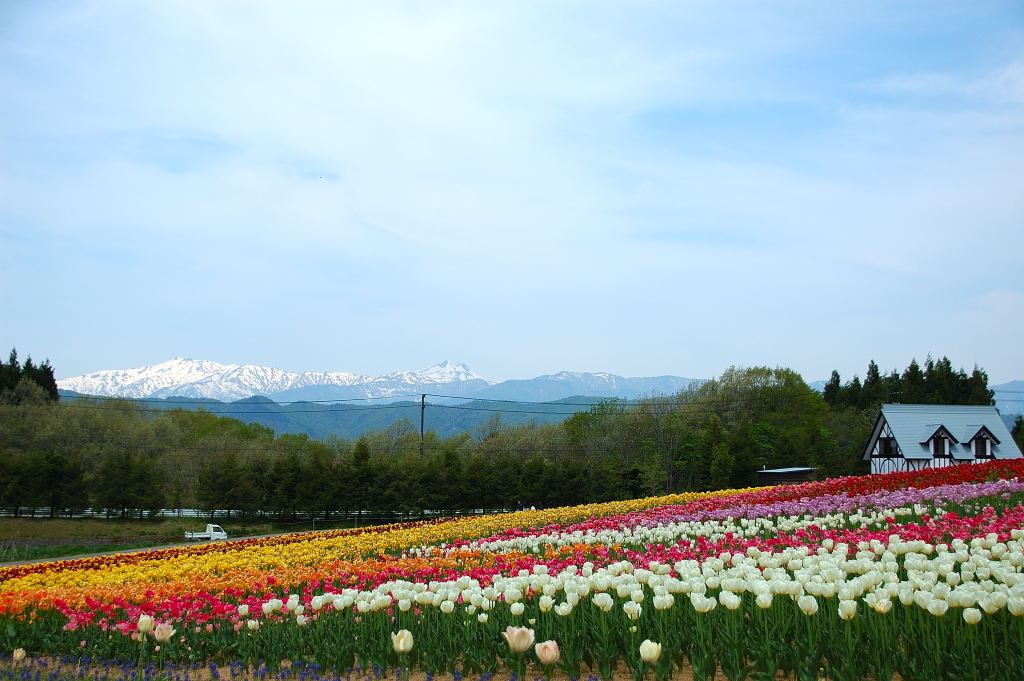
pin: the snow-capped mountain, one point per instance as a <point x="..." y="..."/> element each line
<point x="230" y="382"/>
<point x="227" y="382"/>
<point x="444" y="372"/>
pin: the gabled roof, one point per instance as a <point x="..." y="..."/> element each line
<point x="913" y="425"/>
<point x="933" y="429"/>
<point x="974" y="430"/>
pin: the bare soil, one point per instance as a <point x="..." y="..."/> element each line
<point x="87" y="673"/>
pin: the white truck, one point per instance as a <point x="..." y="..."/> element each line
<point x="212" y="532"/>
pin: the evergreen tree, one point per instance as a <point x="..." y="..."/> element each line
<point x="872" y="391"/>
<point x="912" y="386"/>
<point x="891" y="387"/>
<point x="12" y="374"/>
<point x="853" y="394"/>
<point x="831" y="391"/>
<point x="977" y="388"/>
<point x="940" y="382"/>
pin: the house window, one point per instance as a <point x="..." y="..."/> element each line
<point x="886" y="447"/>
<point x="939" y="447"/>
<point x="982" y="448"/>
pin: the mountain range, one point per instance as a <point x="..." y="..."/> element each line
<point x="181" y="377"/>
<point x="458" y="399"/>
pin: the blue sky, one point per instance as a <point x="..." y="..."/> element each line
<point x="642" y="187"/>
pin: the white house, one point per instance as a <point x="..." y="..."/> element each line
<point x="915" y="436"/>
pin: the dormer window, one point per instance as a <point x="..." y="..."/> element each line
<point x="939" y="441"/>
<point x="982" y="443"/>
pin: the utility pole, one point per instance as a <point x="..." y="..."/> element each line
<point x="423" y="409"/>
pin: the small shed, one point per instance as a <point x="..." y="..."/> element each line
<point x="784" y="476"/>
<point x="915" y="436"/>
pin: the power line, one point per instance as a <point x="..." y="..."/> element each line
<point x="653" y="410"/>
<point x="551" y="402"/>
<point x="504" y="411"/>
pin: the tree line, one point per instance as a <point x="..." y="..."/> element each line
<point x="119" y="456"/>
<point x="936" y="383"/>
<point x="18" y="380"/>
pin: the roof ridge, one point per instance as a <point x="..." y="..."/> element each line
<point x="938" y="407"/>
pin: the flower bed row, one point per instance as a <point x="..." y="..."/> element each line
<point x="911" y="573"/>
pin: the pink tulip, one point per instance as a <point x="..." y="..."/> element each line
<point x="519" y="638"/>
<point x="547" y="652"/>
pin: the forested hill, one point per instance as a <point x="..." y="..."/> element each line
<point x="352" y="419"/>
<point x="136" y="456"/>
<point x="454" y="416"/>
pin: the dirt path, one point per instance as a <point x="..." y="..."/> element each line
<point x="132" y="550"/>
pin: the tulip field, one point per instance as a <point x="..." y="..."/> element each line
<point x="916" y="576"/>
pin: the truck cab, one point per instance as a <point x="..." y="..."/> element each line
<point x="216" y="532"/>
<point x="213" y="532"/>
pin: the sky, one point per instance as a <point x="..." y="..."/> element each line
<point x="643" y="188"/>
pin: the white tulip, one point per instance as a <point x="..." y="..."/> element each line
<point x="730" y="600"/>
<point x="402" y="641"/>
<point x="650" y="651"/>
<point x="145" y="624"/>
<point x="807" y="604"/>
<point x="603" y="601"/>
<point x="702" y="604"/>
<point x="972" y="615"/>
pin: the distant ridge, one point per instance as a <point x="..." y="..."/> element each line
<point x="348" y="420"/>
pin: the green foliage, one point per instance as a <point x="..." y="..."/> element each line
<point x="120" y="456"/>
<point x="26" y="383"/>
<point x="937" y="383"/>
<point x="722" y="462"/>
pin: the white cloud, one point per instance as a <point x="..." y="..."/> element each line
<point x="1000" y="85"/>
<point x="491" y="174"/>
